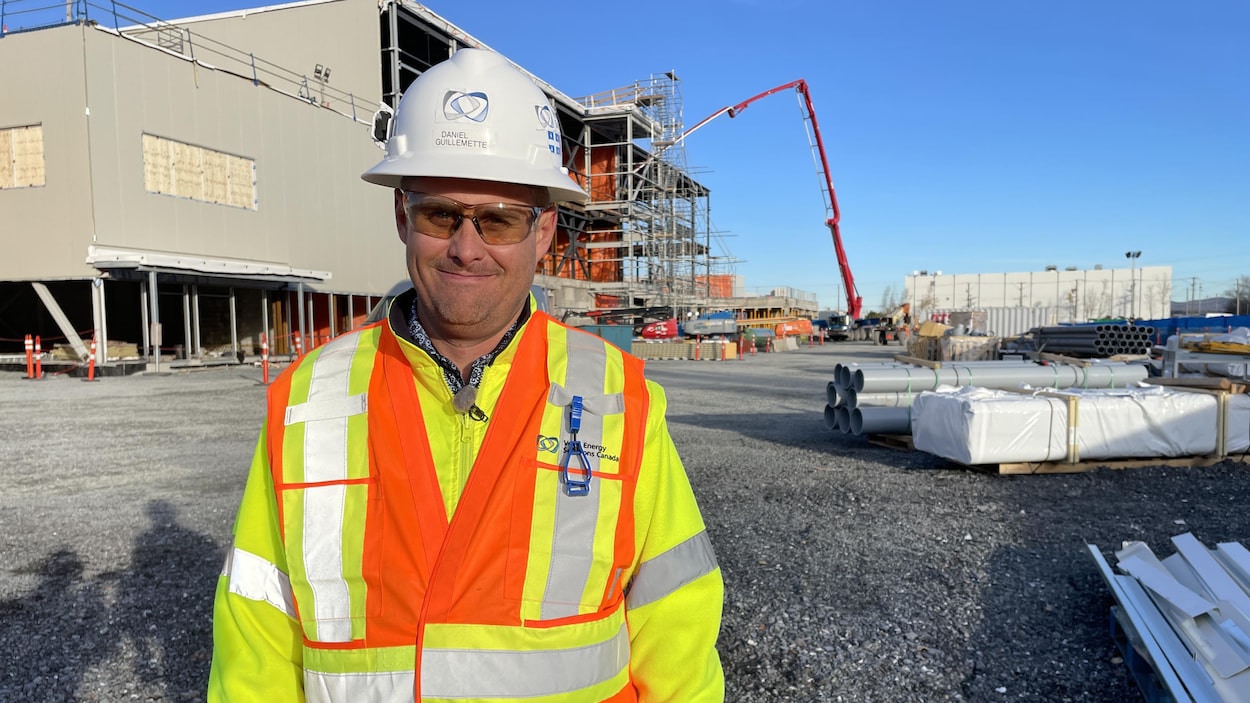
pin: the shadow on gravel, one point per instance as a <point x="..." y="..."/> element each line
<point x="68" y="625"/>
<point x="167" y="600"/>
<point x="51" y="637"/>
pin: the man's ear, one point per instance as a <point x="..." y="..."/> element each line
<point x="546" y="231"/>
<point x="401" y="217"/>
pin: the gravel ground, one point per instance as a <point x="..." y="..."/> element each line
<point x="853" y="572"/>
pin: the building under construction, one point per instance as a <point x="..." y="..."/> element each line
<point x="181" y="189"/>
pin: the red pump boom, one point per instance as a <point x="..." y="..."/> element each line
<point x="854" y="302"/>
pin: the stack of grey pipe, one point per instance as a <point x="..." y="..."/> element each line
<point x="1095" y="340"/>
<point x="875" y="397"/>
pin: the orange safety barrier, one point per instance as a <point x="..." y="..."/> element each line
<point x="30" y="356"/>
<point x="264" y="358"/>
<point x="91" y="361"/>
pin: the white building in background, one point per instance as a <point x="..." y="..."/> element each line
<point x="1073" y="294"/>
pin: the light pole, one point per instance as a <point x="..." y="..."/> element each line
<point x="1132" y="256"/>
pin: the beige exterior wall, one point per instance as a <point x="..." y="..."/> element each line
<point x="45" y="229"/>
<point x="313" y="210"/>
<point x="341" y="34"/>
<point x="1084" y="293"/>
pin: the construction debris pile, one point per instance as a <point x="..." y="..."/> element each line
<point x="1183" y="623"/>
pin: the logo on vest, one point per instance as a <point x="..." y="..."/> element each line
<point x="548" y="444"/>
<point x="596" y="450"/>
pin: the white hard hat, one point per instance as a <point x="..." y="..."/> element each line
<point x="476" y="116"/>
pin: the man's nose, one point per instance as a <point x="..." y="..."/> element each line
<point x="466" y="242"/>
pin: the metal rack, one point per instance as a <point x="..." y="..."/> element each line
<point x="1174" y="355"/>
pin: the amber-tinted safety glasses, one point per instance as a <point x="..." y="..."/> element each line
<point x="496" y="223"/>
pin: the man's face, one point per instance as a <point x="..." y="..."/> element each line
<point x="467" y="289"/>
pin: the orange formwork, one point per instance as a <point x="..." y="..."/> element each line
<point x="718" y="285"/>
<point x="600" y="265"/>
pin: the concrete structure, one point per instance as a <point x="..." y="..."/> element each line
<point x="179" y="189"/>
<point x="1073" y="294"/>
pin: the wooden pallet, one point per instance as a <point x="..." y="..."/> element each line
<point x="892" y="441"/>
<point x="904" y="442"/>
<point x="1063" y="467"/>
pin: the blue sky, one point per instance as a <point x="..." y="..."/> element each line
<point x="963" y="135"/>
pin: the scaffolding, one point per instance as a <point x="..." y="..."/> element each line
<point x="646" y="217"/>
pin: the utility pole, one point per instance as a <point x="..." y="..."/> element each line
<point x="1132" y="256"/>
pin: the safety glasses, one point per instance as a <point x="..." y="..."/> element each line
<point x="496" y="223"/>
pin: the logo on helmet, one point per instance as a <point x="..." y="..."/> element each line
<point x="547" y="120"/>
<point x="469" y="106"/>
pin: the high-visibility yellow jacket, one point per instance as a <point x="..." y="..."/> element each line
<point x="389" y="548"/>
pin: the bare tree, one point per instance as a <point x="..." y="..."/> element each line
<point x="1240" y="293"/>
<point x="889" y="301"/>
<point x="1099" y="305"/>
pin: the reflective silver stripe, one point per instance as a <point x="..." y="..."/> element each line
<point x="323" y="561"/>
<point x="325" y="438"/>
<point x="467" y="673"/>
<point x="325" y="459"/>
<point x="573" y="543"/>
<point x="327" y="409"/>
<point x="378" y="687"/>
<point x="609" y="404"/>
<point x="258" y="579"/>
<point x="671" y="570"/>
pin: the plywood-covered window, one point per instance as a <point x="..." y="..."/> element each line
<point x="198" y="173"/>
<point x="21" y="156"/>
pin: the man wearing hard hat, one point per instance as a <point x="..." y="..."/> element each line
<point x="468" y="501"/>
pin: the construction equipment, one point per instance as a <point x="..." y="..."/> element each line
<point x="837" y="327"/>
<point x="892" y="327"/>
<point x="854" y="301"/>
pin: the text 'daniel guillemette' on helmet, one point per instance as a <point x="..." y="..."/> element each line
<point x="476" y="116"/>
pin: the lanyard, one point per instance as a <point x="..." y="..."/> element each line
<point x="576" y="482"/>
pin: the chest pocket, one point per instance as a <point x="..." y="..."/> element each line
<point x="573" y="565"/>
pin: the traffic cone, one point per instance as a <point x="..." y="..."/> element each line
<point x="38" y="358"/>
<point x="299" y="346"/>
<point x="30" y="356"/>
<point x="91" y="361"/>
<point x="264" y="359"/>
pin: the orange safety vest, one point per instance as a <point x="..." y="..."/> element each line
<point x="522" y="594"/>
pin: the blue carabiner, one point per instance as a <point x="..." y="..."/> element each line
<point x="579" y="483"/>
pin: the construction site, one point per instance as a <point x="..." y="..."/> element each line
<point x="169" y="237"/>
<point x="958" y="497"/>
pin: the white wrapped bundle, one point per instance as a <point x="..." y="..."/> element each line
<point x="981" y="426"/>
